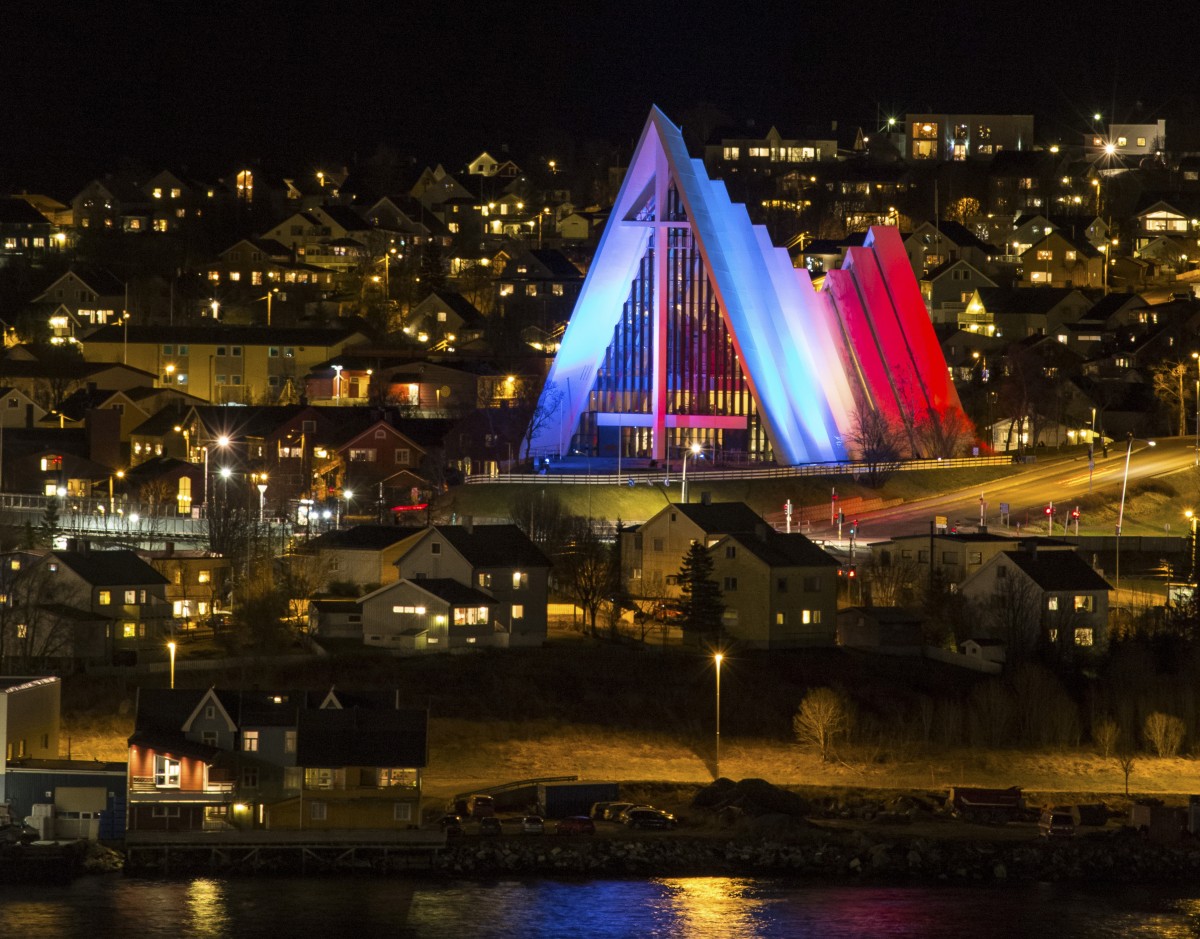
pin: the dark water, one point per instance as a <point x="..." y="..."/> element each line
<point x="680" y="908"/>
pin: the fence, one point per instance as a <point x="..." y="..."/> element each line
<point x="652" y="476"/>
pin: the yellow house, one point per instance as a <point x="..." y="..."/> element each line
<point x="226" y="364"/>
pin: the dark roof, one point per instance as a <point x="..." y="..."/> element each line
<point x="20" y="212"/>
<point x="346" y="217"/>
<point x="453" y="592"/>
<point x="1058" y="570"/>
<point x="493" y="545"/>
<point x="467" y="311"/>
<point x="110" y="568"/>
<point x="556" y="262"/>
<point x="1017" y="300"/>
<point x="721" y="518"/>
<point x="364" y="537"/>
<point x="785" y="550"/>
<point x="334" y="604"/>
<point x="962" y="236"/>
<point x="358" y="737"/>
<point x="945" y="267"/>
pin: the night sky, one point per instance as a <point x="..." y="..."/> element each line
<point x="203" y="85"/>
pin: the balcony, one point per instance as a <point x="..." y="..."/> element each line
<point x="142" y="789"/>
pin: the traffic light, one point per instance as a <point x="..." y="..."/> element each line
<point x="1049" y="510"/>
<point x="1075" y="512"/>
<point x="854" y="528"/>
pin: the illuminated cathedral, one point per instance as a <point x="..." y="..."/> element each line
<point x="692" y="327"/>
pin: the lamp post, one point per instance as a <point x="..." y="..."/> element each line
<point x="1191" y="517"/>
<point x="125" y="339"/>
<point x="717" y="659"/>
<point x="337" y="387"/>
<point x="1092" y="451"/>
<point x="347" y="495"/>
<point x="269" y="294"/>
<point x="171" y="650"/>
<point x="262" y="496"/>
<point x="1196" y="356"/>
<point x="1121" y="515"/>
<point x="120" y="474"/>
<point x="693" y="450"/>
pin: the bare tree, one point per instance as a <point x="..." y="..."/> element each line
<point x="541" y="413"/>
<point x="1168" y="378"/>
<point x="1105" y="735"/>
<point x="890" y="584"/>
<point x="944" y="433"/>
<point x="1013" y="613"/>
<point x="875" y="442"/>
<point x="1164" y="732"/>
<point x="1125" y="760"/>
<point x="823" y="717"/>
<point x="586" y="571"/>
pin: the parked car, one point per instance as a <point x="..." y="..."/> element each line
<point x="1056" y="823"/>
<point x="451" y="824"/>
<point x="533" y="825"/>
<point x="481" y="806"/>
<point x="613" y="810"/>
<point x="649" y="819"/>
<point x="490" y="826"/>
<point x="576" y="825"/>
<point x="623" y="816"/>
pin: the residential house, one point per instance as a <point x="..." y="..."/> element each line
<point x="542" y="283"/>
<point x="1037" y="598"/>
<point x="772" y="153"/>
<point x="87" y="297"/>
<point x="929" y="247"/>
<point x="1176" y="217"/>
<point x="1131" y="142"/>
<point x="226" y="365"/>
<point x="1057" y="260"/>
<point x="362" y="555"/>
<point x="335" y="618"/>
<point x="1023" y="311"/>
<point x="956" y="555"/>
<point x="780" y="591"/>
<point x="78" y="606"/>
<point x="1023" y="181"/>
<point x="225" y="761"/>
<point x="948" y="290"/>
<point x="199" y="584"/>
<point x="445" y="315"/>
<point x="966" y="136"/>
<point x="29" y="721"/>
<point x="433" y="614"/>
<point x="113" y="203"/>
<point x="26" y="234"/>
<point x="652" y="553"/>
<point x="499" y="560"/>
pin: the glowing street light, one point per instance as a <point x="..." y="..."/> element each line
<point x="1191" y="517"/>
<point x="1121" y="516"/>
<point x="717" y="763"/>
<point x="694" y="451"/>
<point x="171" y="650"/>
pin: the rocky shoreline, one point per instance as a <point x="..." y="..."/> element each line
<point x="1114" y="857"/>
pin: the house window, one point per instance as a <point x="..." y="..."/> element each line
<point x="22" y="630"/>
<point x="1084" y="636"/>
<point x="658" y="544"/>
<point x="730" y="551"/>
<point x="317" y="811"/>
<point x="812" y="584"/>
<point x="164" y="811"/>
<point x="402" y="456"/>
<point x="130" y="597"/>
<point x="249" y="777"/>
<point x="810" y="617"/>
<point x="402" y="812"/>
<point x="209" y="738"/>
<point x="289" y="741"/>
<point x="105" y="597"/>
<point x="166" y="772"/>
<point x="435" y="548"/>
<point x="1085" y="603"/>
<point x="182" y="608"/>
<point x="485" y="580"/>
<point x="210" y="712"/>
<point x="250" y="741"/>
<point x="520" y="580"/>
<point x="730" y="583"/>
<point x="975" y="557"/>
<point x="363" y="455"/>
<point x="1052" y="603"/>
<point x="780" y="619"/>
<point x="318" y="779"/>
<point x="129" y="630"/>
<point x="203" y="577"/>
<point x="1045" y="254"/>
<point x="781" y="585"/>
<point x="518" y="611"/>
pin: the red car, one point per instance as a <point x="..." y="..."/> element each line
<point x="576" y="825"/>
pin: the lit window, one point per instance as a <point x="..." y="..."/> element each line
<point x="166" y="772"/>
<point x="1084" y="603"/>
<point x="1052" y="603"/>
<point x="105" y="598"/>
<point x="250" y="741"/>
<point x="289" y="741"/>
<point x="1084" y="637"/>
<point x="317" y="811"/>
<point x="518" y="611"/>
<point x="203" y="577"/>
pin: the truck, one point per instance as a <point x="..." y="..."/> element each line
<point x="989" y="806"/>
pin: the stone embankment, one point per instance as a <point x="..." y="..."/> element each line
<point x="1109" y="857"/>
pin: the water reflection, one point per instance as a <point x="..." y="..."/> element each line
<point x="206" y="908"/>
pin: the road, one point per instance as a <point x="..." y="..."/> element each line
<point x="1063" y="480"/>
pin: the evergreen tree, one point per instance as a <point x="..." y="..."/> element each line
<point x="700" y="595"/>
<point x="50" y="525"/>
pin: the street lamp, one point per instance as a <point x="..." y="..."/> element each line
<point x="1121" y="515"/>
<point x="262" y="496"/>
<point x="337" y="388"/>
<point x="171" y="650"/>
<point x="125" y="340"/>
<point x="1092" y="451"/>
<point x="717" y="659"/>
<point x="693" y="450"/>
<point x="1191" y="517"/>
<point x="347" y="495"/>
<point x="270" y="293"/>
<point x="1196" y="356"/>
<point x="120" y="474"/>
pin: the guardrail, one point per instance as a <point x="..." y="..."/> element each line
<point x="652" y="476"/>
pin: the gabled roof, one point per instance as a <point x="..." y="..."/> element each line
<point x="1023" y="300"/>
<point x="720" y="518"/>
<point x="493" y="545"/>
<point x="110" y="568"/>
<point x="364" y="538"/>
<point x="776" y="549"/>
<point x="354" y="736"/>
<point x="1058" y="570"/>
<point x="451" y="591"/>
<point x="20" y="212"/>
<point x="556" y="263"/>
<point x="947" y="266"/>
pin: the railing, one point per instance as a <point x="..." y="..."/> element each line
<point x="654" y="476"/>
